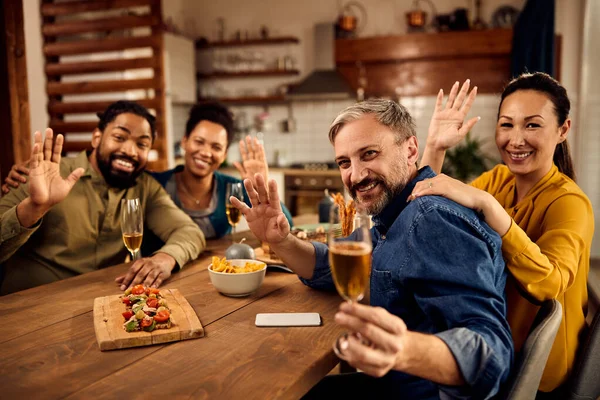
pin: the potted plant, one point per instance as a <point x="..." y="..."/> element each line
<point x="466" y="160"/>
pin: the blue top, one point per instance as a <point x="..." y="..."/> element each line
<point x="218" y="218"/>
<point x="439" y="267"/>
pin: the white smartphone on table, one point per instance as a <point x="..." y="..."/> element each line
<point x="288" y="319"/>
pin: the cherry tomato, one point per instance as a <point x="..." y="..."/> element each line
<point x="138" y="289"/>
<point x="154" y="291"/>
<point x="146" y="323"/>
<point x="127" y="315"/>
<point x="152" y="303"/>
<point x="126" y="301"/>
<point x="162" y="316"/>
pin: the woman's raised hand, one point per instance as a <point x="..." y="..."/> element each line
<point x="254" y="160"/>
<point x="447" y="127"/>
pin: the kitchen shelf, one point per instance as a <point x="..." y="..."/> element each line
<point x="251" y="42"/>
<point x="248" y="100"/>
<point x="245" y="74"/>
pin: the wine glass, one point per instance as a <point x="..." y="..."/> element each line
<point x="132" y="226"/>
<point x="233" y="214"/>
<point x="349" y="258"/>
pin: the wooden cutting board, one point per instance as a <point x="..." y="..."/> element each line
<point x="108" y="323"/>
<point x="260" y="255"/>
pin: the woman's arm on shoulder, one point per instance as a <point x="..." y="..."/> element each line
<point x="469" y="196"/>
<point x="547" y="267"/>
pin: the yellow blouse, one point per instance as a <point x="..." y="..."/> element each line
<point x="547" y="252"/>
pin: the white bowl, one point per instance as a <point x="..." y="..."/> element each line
<point x="238" y="285"/>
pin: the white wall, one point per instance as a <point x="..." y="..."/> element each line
<point x="588" y="162"/>
<point x="569" y="24"/>
<point x="36" y="79"/>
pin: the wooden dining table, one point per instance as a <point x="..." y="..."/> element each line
<point x="48" y="347"/>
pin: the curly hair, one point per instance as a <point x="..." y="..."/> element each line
<point x="122" y="107"/>
<point x="210" y="111"/>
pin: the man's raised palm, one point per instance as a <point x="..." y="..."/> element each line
<point x="46" y="186"/>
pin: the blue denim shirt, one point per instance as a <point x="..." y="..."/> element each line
<point x="439" y="267"/>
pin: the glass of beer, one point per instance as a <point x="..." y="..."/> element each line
<point x="349" y="258"/>
<point x="233" y="214"/>
<point x="132" y="226"/>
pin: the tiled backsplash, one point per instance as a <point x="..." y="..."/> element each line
<point x="310" y="141"/>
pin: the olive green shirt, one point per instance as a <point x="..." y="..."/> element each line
<point x="82" y="233"/>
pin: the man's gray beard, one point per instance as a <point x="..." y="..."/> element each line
<point x="389" y="193"/>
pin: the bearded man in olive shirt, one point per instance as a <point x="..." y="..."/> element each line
<point x="67" y="222"/>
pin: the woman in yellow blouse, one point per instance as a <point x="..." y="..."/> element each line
<point x="545" y="220"/>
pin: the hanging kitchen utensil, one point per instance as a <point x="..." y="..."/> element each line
<point x="478" y="23"/>
<point x="352" y="20"/>
<point x="416" y="19"/>
<point x="289" y="124"/>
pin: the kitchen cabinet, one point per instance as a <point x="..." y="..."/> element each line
<point x="304" y="189"/>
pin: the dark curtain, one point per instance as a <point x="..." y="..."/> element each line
<point x="533" y="40"/>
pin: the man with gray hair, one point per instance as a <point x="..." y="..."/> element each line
<point x="436" y="327"/>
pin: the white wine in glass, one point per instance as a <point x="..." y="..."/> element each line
<point x="132" y="226"/>
<point x="233" y="214"/>
<point x="350" y="260"/>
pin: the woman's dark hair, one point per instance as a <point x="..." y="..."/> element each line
<point x="122" y="107"/>
<point x="544" y="83"/>
<point x="211" y="111"/>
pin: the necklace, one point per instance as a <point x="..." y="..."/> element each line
<point x="187" y="192"/>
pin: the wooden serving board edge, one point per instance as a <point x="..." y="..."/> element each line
<point x="110" y="334"/>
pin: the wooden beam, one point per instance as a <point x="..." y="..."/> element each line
<point x="59" y="126"/>
<point x="84" y="67"/>
<point x="69" y="147"/>
<point x="75" y="7"/>
<point x="101" y="45"/>
<point x="61" y="108"/>
<point x="15" y="131"/>
<point x="419" y="46"/>
<point x="59" y="88"/>
<point x="99" y="25"/>
<point x="80" y="145"/>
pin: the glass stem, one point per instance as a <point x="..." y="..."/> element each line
<point x="135" y="255"/>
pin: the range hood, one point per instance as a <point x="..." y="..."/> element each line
<point x="325" y="82"/>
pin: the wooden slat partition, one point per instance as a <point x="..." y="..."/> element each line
<point x="87" y="67"/>
<point x="59" y="107"/>
<point x="63" y="127"/>
<point x="100" y="45"/>
<point x="100" y="86"/>
<point x="99" y="25"/>
<point x="74" y="7"/>
<point x="62" y="30"/>
<point x="77" y="146"/>
<point x="76" y="126"/>
<point x="73" y="147"/>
